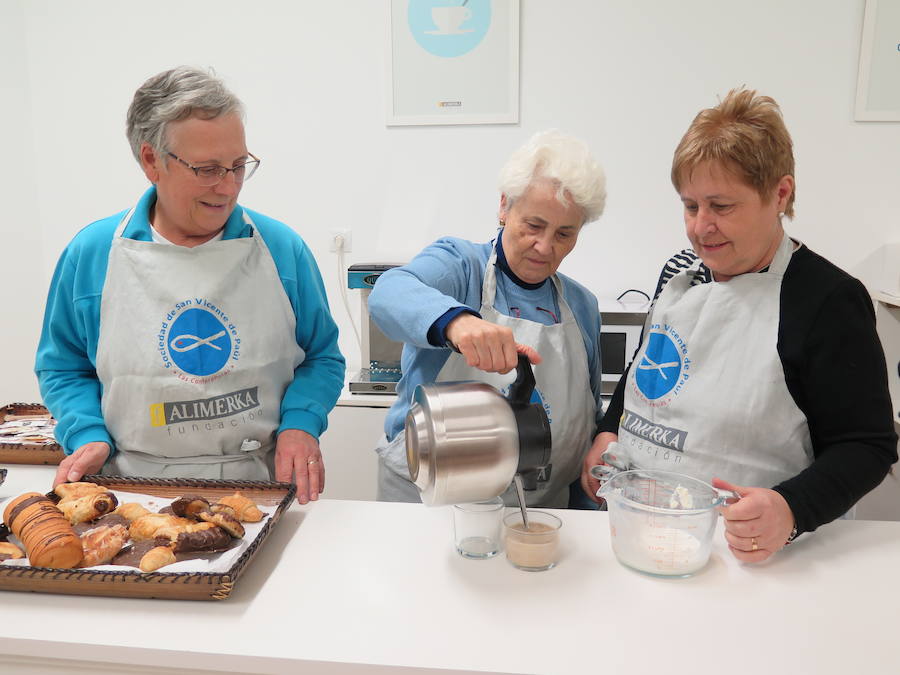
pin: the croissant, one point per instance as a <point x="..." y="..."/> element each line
<point x="228" y="523"/>
<point x="149" y="524"/>
<point x="88" y="507"/>
<point x="8" y="550"/>
<point x="156" y="558"/>
<point x="245" y="508"/>
<point x="102" y="544"/>
<point x="189" y="506"/>
<point x="44" y="531"/>
<point x="70" y="491"/>
<point x="131" y="511"/>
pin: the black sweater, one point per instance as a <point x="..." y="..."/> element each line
<point x="835" y="371"/>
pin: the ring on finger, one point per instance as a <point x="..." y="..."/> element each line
<point x="754" y="544"/>
<point x="312" y="461"/>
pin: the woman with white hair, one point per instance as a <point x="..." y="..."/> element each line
<point x="189" y="336"/>
<point x="492" y="301"/>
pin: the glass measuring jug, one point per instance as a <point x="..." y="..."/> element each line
<point x="661" y="522"/>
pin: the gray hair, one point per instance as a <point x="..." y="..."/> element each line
<point x="171" y="96"/>
<point x="564" y="161"/>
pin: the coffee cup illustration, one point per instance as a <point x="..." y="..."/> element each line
<point x="448" y="20"/>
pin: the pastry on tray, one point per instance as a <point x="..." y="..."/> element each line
<point x="9" y="550"/>
<point x="245" y="509"/>
<point x="44" y="531"/>
<point x="88" y="528"/>
<point x="70" y="491"/>
<point x="101" y="544"/>
<point x="88" y="508"/>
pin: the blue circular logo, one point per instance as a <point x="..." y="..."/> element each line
<point x="659" y="367"/>
<point x="449" y="28"/>
<point x="199" y="343"/>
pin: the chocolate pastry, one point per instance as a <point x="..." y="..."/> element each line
<point x="8" y="550"/>
<point x="210" y="538"/>
<point x="44" y="531"/>
<point x="101" y="544"/>
<point x="245" y="508"/>
<point x="70" y="491"/>
<point x="223" y="508"/>
<point x="89" y="507"/>
<point x="189" y="506"/>
<point x="228" y="523"/>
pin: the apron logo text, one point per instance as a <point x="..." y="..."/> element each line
<point x="225" y="405"/>
<point x="666" y="437"/>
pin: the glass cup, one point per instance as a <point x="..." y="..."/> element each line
<point x="536" y="548"/>
<point x="476" y="528"/>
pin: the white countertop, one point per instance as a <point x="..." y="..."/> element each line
<point x="347" y="587"/>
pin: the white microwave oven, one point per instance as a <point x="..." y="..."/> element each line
<point x="621" y="324"/>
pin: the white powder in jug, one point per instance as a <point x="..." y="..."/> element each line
<point x="661" y="550"/>
<point x="681" y="498"/>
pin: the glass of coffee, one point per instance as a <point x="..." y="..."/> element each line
<point x="533" y="549"/>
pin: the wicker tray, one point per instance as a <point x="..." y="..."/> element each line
<point x="173" y="585"/>
<point x="24" y="453"/>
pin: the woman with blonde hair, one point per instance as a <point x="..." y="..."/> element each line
<point x="760" y="363"/>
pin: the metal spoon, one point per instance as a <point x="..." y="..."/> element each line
<point x="520" y="493"/>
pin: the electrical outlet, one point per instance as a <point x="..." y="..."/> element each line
<point x="345" y="237"/>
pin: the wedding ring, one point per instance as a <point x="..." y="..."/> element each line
<point x="754" y="546"/>
<point x="312" y="461"/>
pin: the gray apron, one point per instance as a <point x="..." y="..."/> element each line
<point x="706" y="394"/>
<point x="562" y="386"/>
<point x="196" y="350"/>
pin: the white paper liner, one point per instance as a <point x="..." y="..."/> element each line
<point x="212" y="562"/>
<point x="28" y="432"/>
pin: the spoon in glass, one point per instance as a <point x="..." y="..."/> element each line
<point x="520" y="493"/>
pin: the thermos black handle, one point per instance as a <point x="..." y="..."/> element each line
<point x="520" y="391"/>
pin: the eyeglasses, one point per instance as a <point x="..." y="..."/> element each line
<point x="213" y="175"/>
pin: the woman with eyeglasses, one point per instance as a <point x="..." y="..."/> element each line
<point x="189" y="336"/>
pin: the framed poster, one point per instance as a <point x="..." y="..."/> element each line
<point x="878" y="83"/>
<point x="453" y="62"/>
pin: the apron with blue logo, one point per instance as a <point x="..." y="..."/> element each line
<point x="562" y="386"/>
<point x="197" y="347"/>
<point x="706" y="393"/>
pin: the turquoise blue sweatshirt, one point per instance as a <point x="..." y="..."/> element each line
<point x="67" y="351"/>
<point x="407" y="300"/>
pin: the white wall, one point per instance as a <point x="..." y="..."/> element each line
<point x="626" y="75"/>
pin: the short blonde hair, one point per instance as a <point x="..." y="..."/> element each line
<point x="746" y="135"/>
<point x="565" y="162"/>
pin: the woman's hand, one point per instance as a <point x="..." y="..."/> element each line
<point x="486" y="345"/>
<point x="87" y="459"/>
<point x="298" y="460"/>
<point x="758" y="525"/>
<point x="589" y="484"/>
